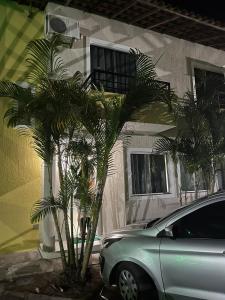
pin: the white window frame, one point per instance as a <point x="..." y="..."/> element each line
<point x="129" y="173"/>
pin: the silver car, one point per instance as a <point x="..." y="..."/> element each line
<point x="179" y="257"/>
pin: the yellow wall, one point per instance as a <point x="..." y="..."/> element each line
<point x="20" y="168"/>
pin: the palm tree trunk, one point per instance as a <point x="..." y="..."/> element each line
<point x="60" y="163"/>
<point x="67" y="231"/>
<point x="72" y="234"/>
<point x="212" y="181"/>
<point x="196" y="186"/>
<point x="178" y="190"/>
<point x="62" y="251"/>
<point x="89" y="245"/>
<point x="83" y="231"/>
<point x="93" y="229"/>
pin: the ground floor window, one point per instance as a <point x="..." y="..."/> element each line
<point x="148" y="173"/>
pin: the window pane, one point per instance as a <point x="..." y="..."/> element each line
<point x="148" y="174"/>
<point x="158" y="174"/>
<point x="140" y="168"/>
<point x="206" y="222"/>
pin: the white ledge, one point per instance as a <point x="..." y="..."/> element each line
<point x="146" y="128"/>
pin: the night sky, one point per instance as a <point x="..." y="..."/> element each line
<point x="213" y="9"/>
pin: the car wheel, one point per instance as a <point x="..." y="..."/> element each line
<point x="134" y="284"/>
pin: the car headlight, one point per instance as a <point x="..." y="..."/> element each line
<point x="108" y="242"/>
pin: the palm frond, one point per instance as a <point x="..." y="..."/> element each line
<point x="166" y="144"/>
<point x="21" y="98"/>
<point x="44" y="60"/>
<point x="145" y="68"/>
<point x="144" y="88"/>
<point x="42" y="208"/>
<point x="67" y="188"/>
<point x="43" y="142"/>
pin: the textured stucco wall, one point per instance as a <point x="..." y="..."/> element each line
<point x="172" y="55"/>
<point x="113" y="213"/>
<point x="19" y="166"/>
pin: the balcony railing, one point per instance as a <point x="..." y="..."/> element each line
<point x="113" y="82"/>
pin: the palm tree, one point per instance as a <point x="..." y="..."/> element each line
<point x="46" y="110"/>
<point x="199" y="140"/>
<point x="104" y="118"/>
<point x="57" y="109"/>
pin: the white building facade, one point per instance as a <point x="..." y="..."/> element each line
<point x="130" y="196"/>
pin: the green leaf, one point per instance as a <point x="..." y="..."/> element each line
<point x="42" y="208"/>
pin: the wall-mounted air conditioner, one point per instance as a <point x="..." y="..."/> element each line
<point x="67" y="27"/>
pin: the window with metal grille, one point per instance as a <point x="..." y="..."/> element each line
<point x="111" y="69"/>
<point x="148" y="173"/>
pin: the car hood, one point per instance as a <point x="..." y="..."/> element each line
<point x="132" y="232"/>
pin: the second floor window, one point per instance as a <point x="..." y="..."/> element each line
<point x="210" y="84"/>
<point x="111" y="69"/>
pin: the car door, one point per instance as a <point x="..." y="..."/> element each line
<point x="193" y="261"/>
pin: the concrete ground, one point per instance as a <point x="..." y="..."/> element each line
<point x="24" y="269"/>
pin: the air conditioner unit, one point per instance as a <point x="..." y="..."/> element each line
<point x="68" y="28"/>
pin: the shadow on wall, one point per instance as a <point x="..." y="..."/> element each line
<point x="155" y="113"/>
<point x="115" y="32"/>
<point x="29" y="240"/>
<point x="19" y="163"/>
<point x="20" y="168"/>
<point x="16" y="231"/>
<point x="150" y="208"/>
<point x="14" y="38"/>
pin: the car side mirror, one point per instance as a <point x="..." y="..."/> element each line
<point x="167" y="232"/>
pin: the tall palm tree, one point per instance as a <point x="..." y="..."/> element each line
<point x="199" y="140"/>
<point x="104" y="117"/>
<point x="56" y="109"/>
<point x="44" y="106"/>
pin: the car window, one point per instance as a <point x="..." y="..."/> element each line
<point x="206" y="222"/>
